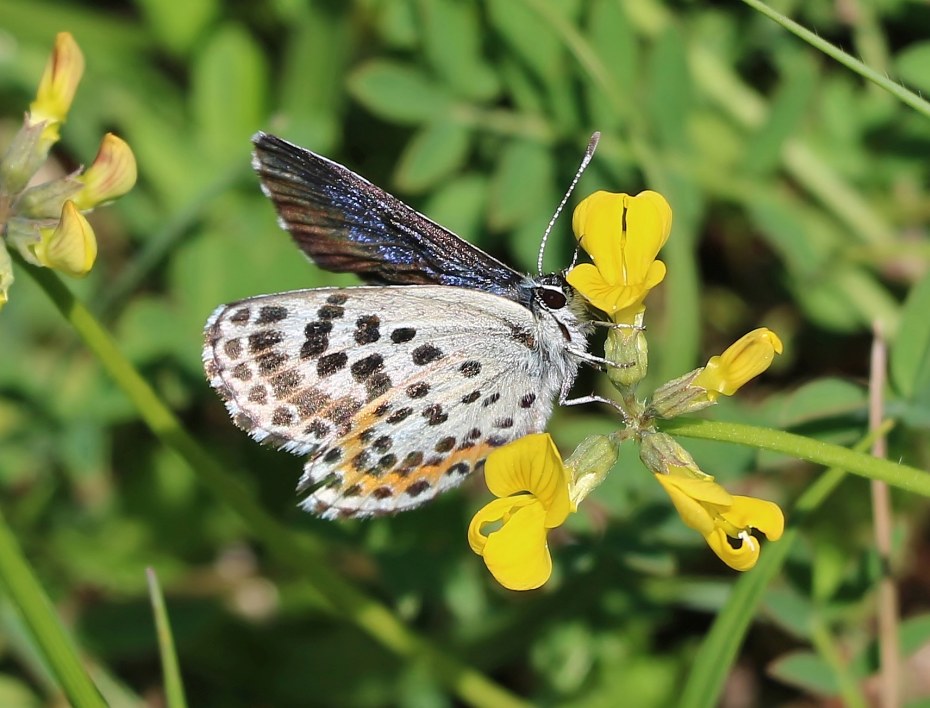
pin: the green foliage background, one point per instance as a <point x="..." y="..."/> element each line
<point x="800" y="203"/>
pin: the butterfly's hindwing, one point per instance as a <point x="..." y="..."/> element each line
<point x="394" y="393"/>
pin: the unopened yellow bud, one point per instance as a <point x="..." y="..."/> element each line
<point x="744" y="360"/>
<point x="58" y="86"/>
<point x="112" y="174"/>
<point x="71" y="247"/>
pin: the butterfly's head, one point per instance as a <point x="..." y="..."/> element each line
<point x="550" y="296"/>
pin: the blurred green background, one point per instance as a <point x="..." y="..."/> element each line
<point x="800" y="202"/>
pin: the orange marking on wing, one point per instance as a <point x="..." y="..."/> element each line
<point x="433" y="474"/>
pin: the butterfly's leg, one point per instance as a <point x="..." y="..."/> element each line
<point x="598" y="362"/>
<point x="564" y="400"/>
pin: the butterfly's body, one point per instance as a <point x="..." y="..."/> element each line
<point x="393" y="392"/>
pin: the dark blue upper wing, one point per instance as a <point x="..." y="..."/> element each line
<point x="347" y="224"/>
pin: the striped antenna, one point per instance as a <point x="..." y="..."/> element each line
<point x="588" y="154"/>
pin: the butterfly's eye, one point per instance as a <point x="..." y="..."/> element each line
<point x="553" y="299"/>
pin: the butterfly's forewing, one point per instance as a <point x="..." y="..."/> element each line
<point x="346" y="224"/>
<point x="395" y="393"/>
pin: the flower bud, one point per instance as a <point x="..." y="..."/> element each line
<point x="660" y="452"/>
<point x="626" y="348"/>
<point x="71" y="247"/>
<point x="112" y="174"/>
<point x="590" y="463"/>
<point x="57" y="87"/>
<point x="22" y="159"/>
<point x="744" y="360"/>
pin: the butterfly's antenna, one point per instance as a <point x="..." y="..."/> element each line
<point x="588" y="154"/>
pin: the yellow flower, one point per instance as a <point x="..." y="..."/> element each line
<point x="745" y="359"/>
<point x="725" y="521"/>
<point x="623" y="235"/>
<point x="71" y="247"/>
<point x="57" y="86"/>
<point x="532" y="483"/>
<point x="112" y="174"/>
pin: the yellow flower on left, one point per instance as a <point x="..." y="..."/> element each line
<point x="623" y="236"/>
<point x="58" y="85"/>
<point x="725" y="521"/>
<point x="533" y="489"/>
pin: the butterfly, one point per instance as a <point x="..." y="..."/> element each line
<point x="397" y="390"/>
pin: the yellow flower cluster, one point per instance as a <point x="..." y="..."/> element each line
<point x="45" y="222"/>
<point x="536" y="491"/>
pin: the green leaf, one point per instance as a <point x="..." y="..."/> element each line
<point x="763" y="152"/>
<point x="669" y="98"/>
<point x="910" y="350"/>
<point x="228" y="92"/>
<point x="312" y="92"/>
<point x="523" y="178"/>
<point x="178" y="23"/>
<point x="399" y="92"/>
<point x="824" y="398"/>
<point x="912" y="65"/>
<point x="531" y="38"/>
<point x="786" y="233"/>
<point x="807" y="671"/>
<point x="612" y="38"/>
<point x="452" y="42"/>
<point x="436" y="151"/>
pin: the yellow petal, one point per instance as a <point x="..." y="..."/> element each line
<point x="743" y="360"/>
<point x="517" y="555"/>
<point x="58" y="85"/>
<point x="742" y="558"/>
<point x="112" y="174"/>
<point x="749" y="512"/>
<point x="598" y="225"/>
<point x="531" y="464"/>
<point x="648" y="222"/>
<point x="71" y="247"/>
<point x="612" y="299"/>
<point x="691" y="511"/>
<point x="495" y="512"/>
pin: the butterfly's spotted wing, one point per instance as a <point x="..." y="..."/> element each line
<point x="394" y="393"/>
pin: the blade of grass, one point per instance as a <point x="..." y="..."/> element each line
<point x="303" y="553"/>
<point x="717" y="652"/>
<point x="50" y="637"/>
<point x="174" y="687"/>
<point x="850" y="62"/>
<point x="904" y="477"/>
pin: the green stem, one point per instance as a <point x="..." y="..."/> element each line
<point x="902" y="94"/>
<point x="40" y="616"/>
<point x="721" y="644"/>
<point x="904" y="477"/>
<point x="826" y="647"/>
<point x="174" y="687"/>
<point x="305" y="554"/>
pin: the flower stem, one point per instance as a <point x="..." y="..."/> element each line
<point x="902" y="476"/>
<point x="33" y="604"/>
<point x="897" y="90"/>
